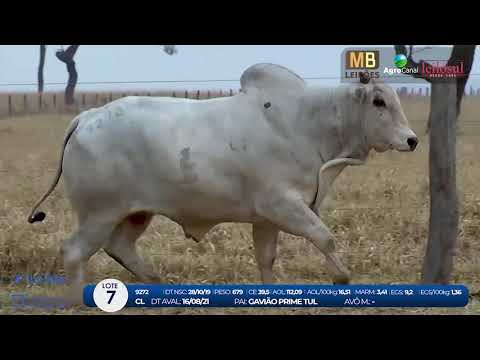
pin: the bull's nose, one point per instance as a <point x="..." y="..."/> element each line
<point x="412" y="142"/>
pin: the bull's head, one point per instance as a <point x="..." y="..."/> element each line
<point x="385" y="124"/>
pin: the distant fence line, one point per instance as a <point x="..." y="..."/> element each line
<point x="31" y="103"/>
<point x="12" y="104"/>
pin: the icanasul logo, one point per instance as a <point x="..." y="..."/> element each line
<point x="400" y="61"/>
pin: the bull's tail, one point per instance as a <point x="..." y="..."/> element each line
<point x="340" y="161"/>
<point x="40" y="216"/>
<point x="331" y="163"/>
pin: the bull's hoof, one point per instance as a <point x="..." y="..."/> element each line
<point x="341" y="281"/>
<point x="153" y="279"/>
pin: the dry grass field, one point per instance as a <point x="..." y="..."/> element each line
<point x="378" y="212"/>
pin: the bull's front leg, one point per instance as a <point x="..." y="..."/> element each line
<point x="291" y="214"/>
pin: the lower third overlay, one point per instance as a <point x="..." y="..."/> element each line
<point x="112" y="295"/>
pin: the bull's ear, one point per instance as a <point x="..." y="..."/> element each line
<point x="359" y="94"/>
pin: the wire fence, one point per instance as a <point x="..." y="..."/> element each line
<point x="15" y="104"/>
<point x="192" y="81"/>
<point x="32" y="103"/>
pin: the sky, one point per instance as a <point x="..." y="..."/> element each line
<point x="18" y="64"/>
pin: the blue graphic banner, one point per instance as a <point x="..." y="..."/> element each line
<point x="148" y="295"/>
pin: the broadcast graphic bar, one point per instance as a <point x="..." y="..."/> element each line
<point x="152" y="296"/>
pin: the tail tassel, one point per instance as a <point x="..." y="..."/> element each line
<point x="38" y="217"/>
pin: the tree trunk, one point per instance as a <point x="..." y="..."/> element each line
<point x="67" y="58"/>
<point x="443" y="229"/>
<point x="72" y="82"/>
<point x="43" y="50"/>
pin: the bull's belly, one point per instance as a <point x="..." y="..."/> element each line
<point x="188" y="205"/>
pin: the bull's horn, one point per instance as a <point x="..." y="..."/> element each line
<point x="364" y="77"/>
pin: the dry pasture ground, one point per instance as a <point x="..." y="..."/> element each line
<point x="379" y="213"/>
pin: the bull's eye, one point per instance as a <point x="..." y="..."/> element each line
<point x="379" y="102"/>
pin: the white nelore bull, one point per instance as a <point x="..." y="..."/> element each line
<point x="265" y="156"/>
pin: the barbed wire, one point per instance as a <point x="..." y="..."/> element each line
<point x="182" y="81"/>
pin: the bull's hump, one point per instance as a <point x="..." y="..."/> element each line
<point x="271" y="77"/>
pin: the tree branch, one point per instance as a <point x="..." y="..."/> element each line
<point x="66" y="56"/>
<point x="412" y="64"/>
<point x="465" y="54"/>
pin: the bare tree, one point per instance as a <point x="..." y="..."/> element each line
<point x="43" y="51"/>
<point x="445" y="104"/>
<point x="170" y="49"/>
<point x="66" y="56"/>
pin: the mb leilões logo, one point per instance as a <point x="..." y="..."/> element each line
<point x="361" y="61"/>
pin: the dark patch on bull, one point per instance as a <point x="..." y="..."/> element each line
<point x="267" y="105"/>
<point x="232" y="147"/>
<point x="98" y="123"/>
<point x="187" y="166"/>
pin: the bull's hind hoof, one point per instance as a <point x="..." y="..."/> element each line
<point x="341" y="281"/>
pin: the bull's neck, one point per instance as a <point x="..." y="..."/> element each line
<point x="333" y="123"/>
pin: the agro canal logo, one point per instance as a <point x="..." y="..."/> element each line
<point x="400" y="61"/>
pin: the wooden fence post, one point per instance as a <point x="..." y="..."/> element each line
<point x="83" y="99"/>
<point x="25" y="102"/>
<point x="198" y="94"/>
<point x="111" y="97"/>
<point x="54" y="101"/>
<point x="186" y="94"/>
<point x="208" y="94"/>
<point x="174" y="95"/>
<point x="10" y="109"/>
<point x="40" y="102"/>
<point x="96" y="98"/>
<point x="231" y="92"/>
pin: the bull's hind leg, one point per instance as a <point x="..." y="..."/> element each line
<point x="121" y="246"/>
<point x="196" y="232"/>
<point x="90" y="236"/>
<point x="265" y="243"/>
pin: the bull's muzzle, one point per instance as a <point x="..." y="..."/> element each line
<point x="412" y="142"/>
